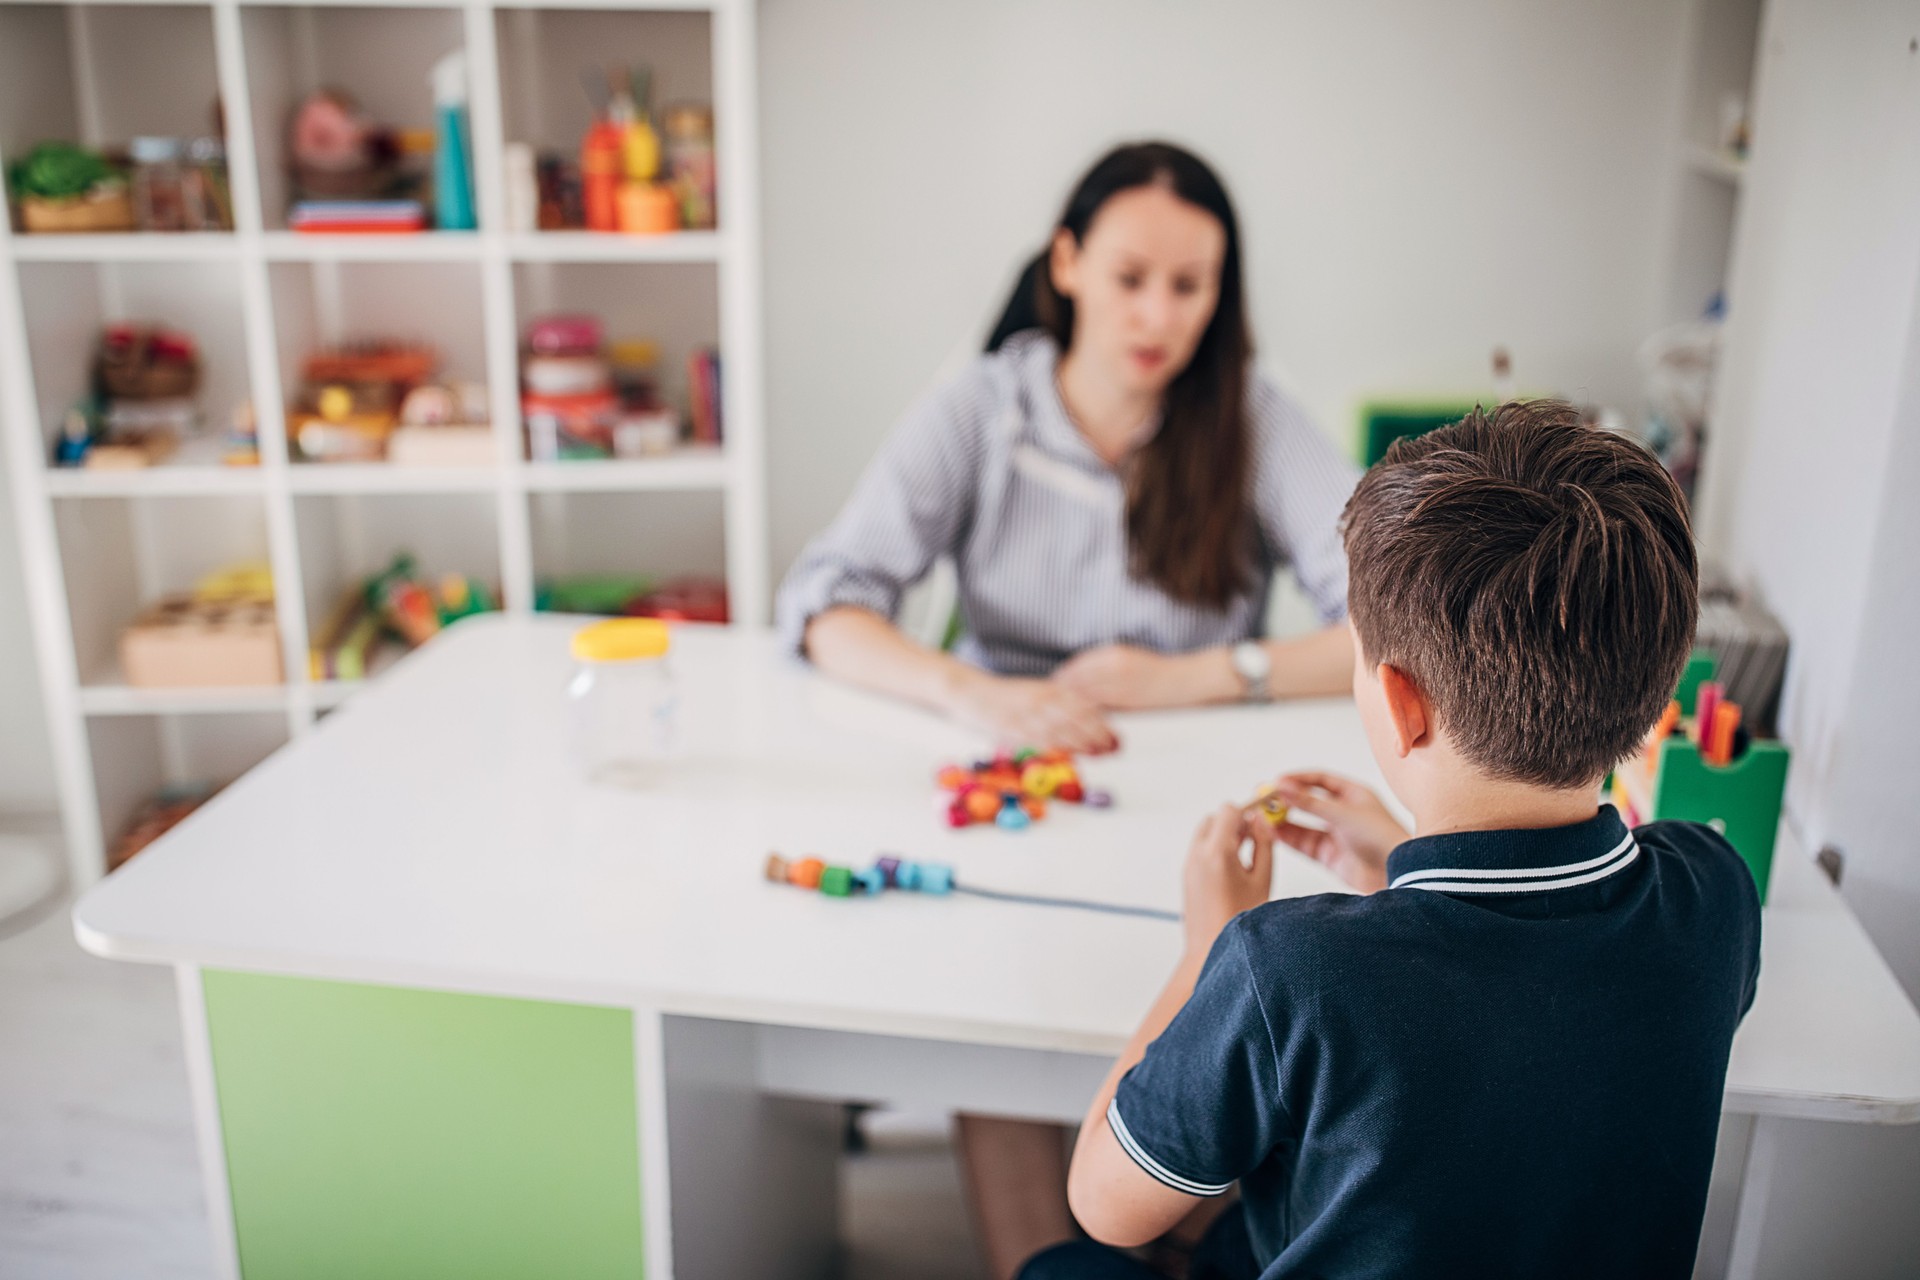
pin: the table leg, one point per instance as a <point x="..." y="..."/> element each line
<point x="206" y="1120"/>
<point x="1756" y="1185"/>
<point x="755" y="1179"/>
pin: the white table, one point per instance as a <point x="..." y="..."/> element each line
<point x="432" y="840"/>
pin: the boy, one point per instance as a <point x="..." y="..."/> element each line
<point x="1506" y="1059"/>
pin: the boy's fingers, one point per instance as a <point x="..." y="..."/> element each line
<point x="1303" y="839"/>
<point x="1313" y="802"/>
<point x="1262" y="833"/>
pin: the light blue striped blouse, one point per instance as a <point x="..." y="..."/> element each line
<point x="989" y="471"/>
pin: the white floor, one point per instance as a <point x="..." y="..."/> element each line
<point x="98" y="1179"/>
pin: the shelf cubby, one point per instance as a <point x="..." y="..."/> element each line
<point x="135" y="757"/>
<point x="68" y="303"/>
<point x="346" y="539"/>
<point x="103" y="74"/>
<point x="544" y="54"/>
<point x="119" y="555"/>
<point x="326" y="303"/>
<point x="673" y="304"/>
<point x="656" y="535"/>
<point x="382" y="56"/>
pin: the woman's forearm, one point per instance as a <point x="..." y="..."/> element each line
<point x="864" y="649"/>
<point x="1314" y="665"/>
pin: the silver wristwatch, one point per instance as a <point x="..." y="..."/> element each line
<point x="1254" y="667"/>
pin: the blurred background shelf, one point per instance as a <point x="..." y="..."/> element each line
<point x="103" y="544"/>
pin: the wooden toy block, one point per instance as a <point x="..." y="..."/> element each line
<point x="186" y="643"/>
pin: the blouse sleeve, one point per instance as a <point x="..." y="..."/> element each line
<point x="1301" y="486"/>
<point x="913" y="503"/>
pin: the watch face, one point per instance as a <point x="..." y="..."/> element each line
<point x="1251" y="661"/>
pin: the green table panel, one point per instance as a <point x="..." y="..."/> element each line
<point x="389" y="1132"/>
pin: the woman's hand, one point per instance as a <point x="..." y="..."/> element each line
<point x="1031" y="713"/>
<point x="1218" y="885"/>
<point x="1360" y="832"/>
<point x="1124" y="678"/>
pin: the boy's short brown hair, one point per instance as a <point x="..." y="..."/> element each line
<point x="1536" y="578"/>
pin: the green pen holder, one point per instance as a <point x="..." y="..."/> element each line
<point x="1381" y="422"/>
<point x="1740" y="800"/>
<point x="1698" y="671"/>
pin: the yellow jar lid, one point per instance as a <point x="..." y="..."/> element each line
<point x="621" y="640"/>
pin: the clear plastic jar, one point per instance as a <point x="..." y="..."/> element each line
<point x="623" y="702"/>
<point x="159" y="192"/>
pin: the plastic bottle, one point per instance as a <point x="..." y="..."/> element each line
<point x="601" y="163"/>
<point x="623" y="701"/>
<point x="452" y="171"/>
<point x="517" y="169"/>
<point x="640" y="144"/>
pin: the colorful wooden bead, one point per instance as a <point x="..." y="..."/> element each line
<point x="1013" y="818"/>
<point x="908" y="876"/>
<point x="806" y="873"/>
<point x="1039" y="779"/>
<point x="984" y="790"/>
<point x="982" y="804"/>
<point x="775" y="869"/>
<point x="1271" y="806"/>
<point x="1097" y="799"/>
<point x="889" y="869"/>
<point x="936" y="878"/>
<point x="870" y="881"/>
<point x="836" y="882"/>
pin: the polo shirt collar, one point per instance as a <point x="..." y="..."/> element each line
<point x="1515" y="861"/>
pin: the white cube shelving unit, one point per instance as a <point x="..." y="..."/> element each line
<point x="100" y="545"/>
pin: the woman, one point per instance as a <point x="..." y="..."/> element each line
<point x="1115" y="485"/>
<point x="1113" y="482"/>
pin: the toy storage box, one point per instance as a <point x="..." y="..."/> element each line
<point x="184" y="643"/>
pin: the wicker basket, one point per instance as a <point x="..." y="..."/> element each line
<point x="110" y="210"/>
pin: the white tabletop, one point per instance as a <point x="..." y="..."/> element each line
<point x="433" y="833"/>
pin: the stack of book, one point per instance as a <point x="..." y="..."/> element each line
<point x="331" y="217"/>
<point x="703" y="396"/>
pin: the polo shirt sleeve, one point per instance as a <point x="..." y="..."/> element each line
<point x="1203" y="1107"/>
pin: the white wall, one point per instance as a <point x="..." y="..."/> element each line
<point x="26" y="766"/>
<point x="1416" y="182"/>
<point x="1819" y="338"/>
<point x="1809" y="498"/>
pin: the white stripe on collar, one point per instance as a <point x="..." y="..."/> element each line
<point x="1525" y="879"/>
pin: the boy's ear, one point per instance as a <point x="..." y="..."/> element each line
<point x="1406" y="708"/>
<point x="1063" y="263"/>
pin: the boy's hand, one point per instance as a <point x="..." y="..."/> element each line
<point x="1360" y="831"/>
<point x="1218" y="886"/>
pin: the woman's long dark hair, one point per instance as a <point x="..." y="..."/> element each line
<point x="1188" y="523"/>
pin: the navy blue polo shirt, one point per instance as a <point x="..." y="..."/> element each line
<point x="1507" y="1063"/>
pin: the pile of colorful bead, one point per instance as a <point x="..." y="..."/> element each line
<point x="1012" y="791"/>
<point x="844" y="882"/>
